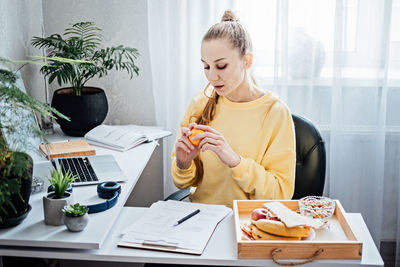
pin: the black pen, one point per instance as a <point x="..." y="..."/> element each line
<point x="187" y="217"/>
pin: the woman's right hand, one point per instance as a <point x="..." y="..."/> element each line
<point x="185" y="151"/>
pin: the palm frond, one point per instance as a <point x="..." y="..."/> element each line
<point x="64" y="60"/>
<point x="54" y="40"/>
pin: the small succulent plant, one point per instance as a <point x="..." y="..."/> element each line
<point x="75" y="210"/>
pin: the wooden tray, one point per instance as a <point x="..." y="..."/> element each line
<point x="338" y="241"/>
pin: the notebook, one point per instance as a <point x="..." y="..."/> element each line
<point x="100" y="167"/>
<point x="123" y="137"/>
<point x="70" y="148"/>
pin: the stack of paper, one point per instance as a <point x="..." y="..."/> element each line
<point x="156" y="230"/>
<point x="124" y="137"/>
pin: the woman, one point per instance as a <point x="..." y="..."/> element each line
<point x="248" y="148"/>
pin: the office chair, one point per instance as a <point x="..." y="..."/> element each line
<point x="310" y="162"/>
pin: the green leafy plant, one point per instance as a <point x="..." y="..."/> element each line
<point x="60" y="182"/>
<point x="13" y="101"/>
<point x="82" y="41"/>
<point x="15" y="166"/>
<point x="75" y="210"/>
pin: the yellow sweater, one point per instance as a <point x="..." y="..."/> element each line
<point x="261" y="132"/>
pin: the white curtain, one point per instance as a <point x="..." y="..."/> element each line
<point x="176" y="28"/>
<point x="336" y="62"/>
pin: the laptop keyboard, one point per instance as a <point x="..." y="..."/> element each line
<point x="80" y="167"/>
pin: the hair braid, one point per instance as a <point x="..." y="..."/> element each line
<point x="206" y="116"/>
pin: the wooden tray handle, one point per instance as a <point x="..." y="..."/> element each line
<point x="276" y="260"/>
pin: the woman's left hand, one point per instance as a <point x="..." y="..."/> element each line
<point x="215" y="141"/>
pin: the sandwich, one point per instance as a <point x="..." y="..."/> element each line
<point x="258" y="234"/>
<point x="278" y="228"/>
<point x="277" y="222"/>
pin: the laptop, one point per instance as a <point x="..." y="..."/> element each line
<point x="89" y="169"/>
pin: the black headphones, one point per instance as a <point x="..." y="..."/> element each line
<point x="107" y="190"/>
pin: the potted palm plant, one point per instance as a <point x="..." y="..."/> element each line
<point x="16" y="165"/>
<point x="86" y="106"/>
<point x="58" y="197"/>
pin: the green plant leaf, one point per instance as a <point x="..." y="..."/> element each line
<point x="14" y="168"/>
<point x="82" y="43"/>
<point x="75" y="210"/>
<point x="61" y="182"/>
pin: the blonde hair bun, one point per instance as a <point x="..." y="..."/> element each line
<point x="229" y="15"/>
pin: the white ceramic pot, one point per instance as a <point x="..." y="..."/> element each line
<point x="52" y="208"/>
<point x="76" y="224"/>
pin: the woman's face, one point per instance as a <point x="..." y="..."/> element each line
<point x="223" y="66"/>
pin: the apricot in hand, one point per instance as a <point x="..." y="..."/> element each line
<point x="192" y="134"/>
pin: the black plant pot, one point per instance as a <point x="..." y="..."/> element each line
<point x="21" y="204"/>
<point x="85" y="112"/>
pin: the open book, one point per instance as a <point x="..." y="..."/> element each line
<point x="157" y="228"/>
<point x="123" y="137"/>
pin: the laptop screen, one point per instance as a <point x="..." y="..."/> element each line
<point x="23" y="136"/>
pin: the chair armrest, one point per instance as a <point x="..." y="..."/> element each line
<point x="179" y="195"/>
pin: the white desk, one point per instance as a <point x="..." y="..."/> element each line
<point x="98" y="242"/>
<point x="220" y="250"/>
<point x="33" y="232"/>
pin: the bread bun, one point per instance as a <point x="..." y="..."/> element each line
<point x="261" y="235"/>
<point x="280" y="229"/>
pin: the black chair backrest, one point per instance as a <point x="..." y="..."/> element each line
<point x="310" y="159"/>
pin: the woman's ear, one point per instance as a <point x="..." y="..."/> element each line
<point x="248" y="60"/>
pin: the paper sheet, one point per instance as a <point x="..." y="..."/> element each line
<point x="156" y="226"/>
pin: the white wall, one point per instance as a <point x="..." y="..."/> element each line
<point x="19" y="21"/>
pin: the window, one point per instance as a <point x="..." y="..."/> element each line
<point x="356" y="33"/>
